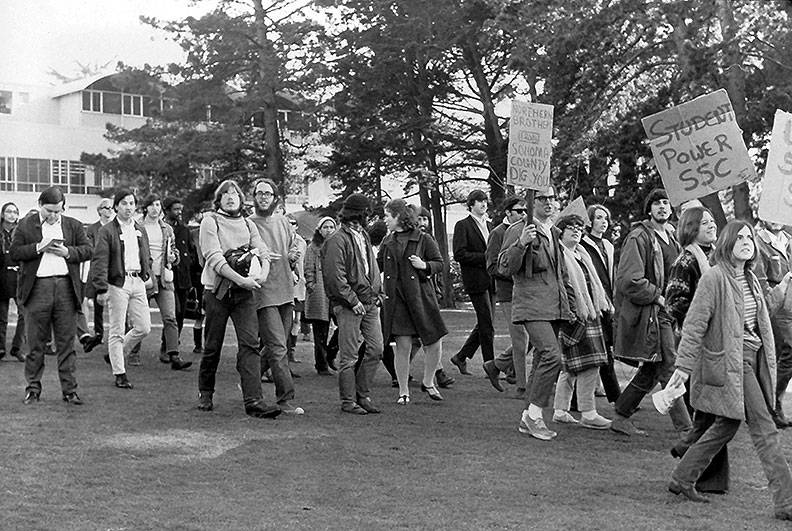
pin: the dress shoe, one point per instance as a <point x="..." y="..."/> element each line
<point x="460" y="363"/>
<point x="353" y="408"/>
<point x="205" y="402"/>
<point x="688" y="491"/>
<point x="122" y="382"/>
<point x="625" y="426"/>
<point x="783" y="514"/>
<point x="18" y="355"/>
<point x="444" y="381"/>
<point x="260" y="410"/>
<point x="31" y="397"/>
<point x="493" y="373"/>
<point x="91" y="343"/>
<point x="178" y="364"/>
<point x="433" y="393"/>
<point x="73" y="399"/>
<point x="780" y="420"/>
<point x="367" y="404"/>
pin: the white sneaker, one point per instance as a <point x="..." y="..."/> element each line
<point x="564" y="417"/>
<point x="403" y="400"/>
<point x="597" y="423"/>
<point x="535" y="428"/>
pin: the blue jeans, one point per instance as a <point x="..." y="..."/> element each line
<point x="51" y="310"/>
<point x="274" y="323"/>
<point x="352" y="329"/>
<point x="239" y="305"/>
<point x="764" y="435"/>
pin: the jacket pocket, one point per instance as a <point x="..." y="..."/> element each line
<point x="538" y="260"/>
<point x="713" y="367"/>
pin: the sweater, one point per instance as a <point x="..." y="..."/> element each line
<point x="220" y="233"/>
<point x="278" y="235"/>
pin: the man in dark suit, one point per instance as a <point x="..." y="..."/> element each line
<point x="106" y="215"/>
<point x="49" y="248"/>
<point x="470" y="246"/>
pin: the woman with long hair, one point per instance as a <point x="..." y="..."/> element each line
<point x="728" y="353"/>
<point x="408" y="258"/>
<point x="317" y="305"/>
<point x="9" y="219"/>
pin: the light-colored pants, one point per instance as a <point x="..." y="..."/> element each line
<point x="586" y="384"/>
<point x="130" y="299"/>
<point x="352" y="330"/>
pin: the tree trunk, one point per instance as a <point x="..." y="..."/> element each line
<point x="735" y="87"/>
<point x="267" y="72"/>
<point x="496" y="146"/>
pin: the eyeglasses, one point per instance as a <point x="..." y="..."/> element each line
<point x="574" y="228"/>
<point x="105" y="207"/>
<point x="519" y="210"/>
<point x="264" y="195"/>
<point x="544" y="198"/>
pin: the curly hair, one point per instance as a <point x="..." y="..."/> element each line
<point x="406" y="214"/>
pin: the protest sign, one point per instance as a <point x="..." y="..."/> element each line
<point x="576" y="206"/>
<point x="530" y="137"/>
<point x="776" y="201"/>
<point x="698" y="147"/>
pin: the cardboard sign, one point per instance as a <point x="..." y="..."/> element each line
<point x="530" y="145"/>
<point x="776" y="201"/>
<point x="577" y="206"/>
<point x="698" y="147"/>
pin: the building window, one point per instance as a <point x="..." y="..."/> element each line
<point x="133" y="105"/>
<point x="76" y="177"/>
<point x="5" y="101"/>
<point x="111" y="102"/>
<point x="7" y="174"/>
<point x="33" y="175"/>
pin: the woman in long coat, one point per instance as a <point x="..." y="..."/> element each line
<point x="317" y="305"/>
<point x="408" y="258"/>
<point x="728" y="353"/>
<point x="9" y="219"/>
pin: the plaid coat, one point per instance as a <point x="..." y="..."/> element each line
<point x="582" y="346"/>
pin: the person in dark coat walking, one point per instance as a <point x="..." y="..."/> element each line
<point x="317" y="305"/>
<point x="470" y="246"/>
<point x="9" y="270"/>
<point x="408" y="258"/>
<point x="172" y="207"/>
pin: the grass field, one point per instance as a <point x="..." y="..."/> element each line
<point x="148" y="459"/>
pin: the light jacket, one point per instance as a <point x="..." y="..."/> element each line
<point x="711" y="349"/>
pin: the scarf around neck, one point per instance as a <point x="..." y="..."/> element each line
<point x="700" y="256"/>
<point x="588" y="305"/>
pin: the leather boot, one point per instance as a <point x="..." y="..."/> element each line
<point x="198" y="340"/>
<point x="176" y="363"/>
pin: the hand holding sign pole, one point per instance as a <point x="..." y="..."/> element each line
<point x="530" y="146"/>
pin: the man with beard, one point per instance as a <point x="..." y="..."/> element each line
<point x="275" y="298"/>
<point x="644" y="330"/>
<point x="173" y="207"/>
<point x="774" y="251"/>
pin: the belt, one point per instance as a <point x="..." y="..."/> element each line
<point x="54" y="276"/>
<point x="133" y="274"/>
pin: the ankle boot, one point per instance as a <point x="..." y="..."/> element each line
<point x="198" y="340"/>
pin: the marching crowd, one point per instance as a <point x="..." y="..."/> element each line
<point x="684" y="305"/>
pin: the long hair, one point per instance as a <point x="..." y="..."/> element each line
<point x="223" y="188"/>
<point x="5" y="207"/>
<point x="725" y="245"/>
<point x="689" y="224"/>
<point x="406" y="214"/>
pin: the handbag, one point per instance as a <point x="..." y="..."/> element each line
<point x="192" y="306"/>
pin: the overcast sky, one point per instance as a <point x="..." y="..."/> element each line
<point x="36" y="35"/>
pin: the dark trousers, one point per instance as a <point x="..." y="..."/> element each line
<point x="650" y="374"/>
<point x="181" y="304"/>
<point x="610" y="382"/>
<point x="19" y="334"/>
<point x="714" y="478"/>
<point x="51" y="310"/>
<point x="483" y="334"/>
<point x="98" y="318"/>
<point x="320" y="331"/>
<point x="239" y="305"/>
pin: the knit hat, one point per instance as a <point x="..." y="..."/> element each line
<point x="355" y="204"/>
<point x="655" y="195"/>
<point x="323" y="220"/>
<point x="424" y="212"/>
